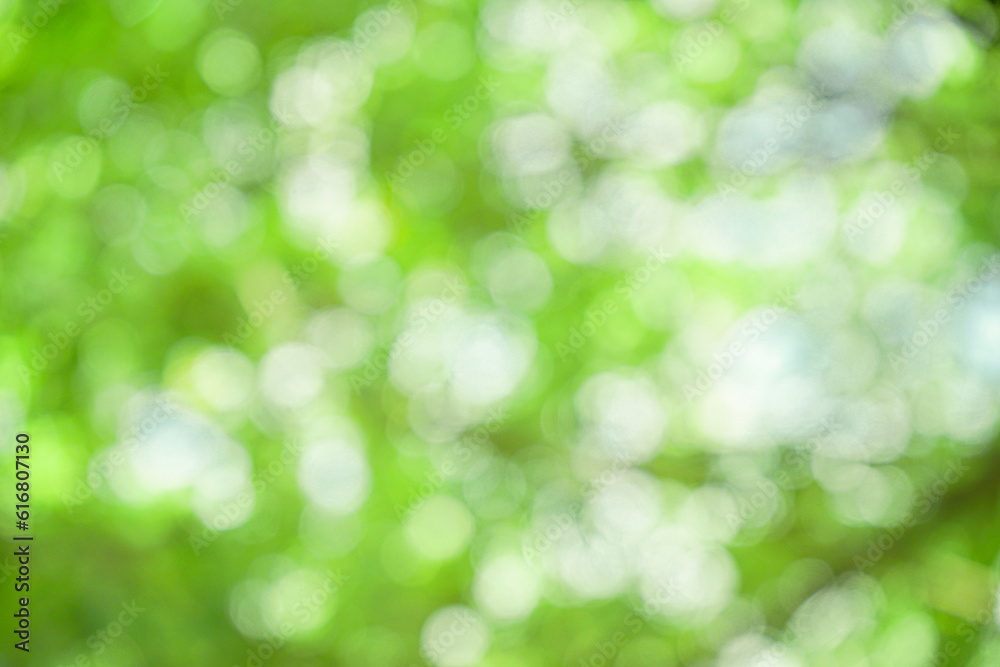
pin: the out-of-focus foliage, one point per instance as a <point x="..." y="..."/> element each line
<point x="521" y="332"/>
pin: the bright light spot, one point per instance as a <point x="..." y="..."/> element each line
<point x="382" y="34"/>
<point x="223" y="378"/>
<point x="684" y="10"/>
<point x="345" y="337"/>
<point x="627" y="508"/>
<point x="518" y="278"/>
<point x="876" y="429"/>
<point x="979" y="327"/>
<point x="707" y="512"/>
<point x="623" y="418"/>
<point x="171" y="451"/>
<point x="329" y="82"/>
<point x="580" y="88"/>
<point x="758" y="650"/>
<point x="769" y="232"/>
<point x="466" y="360"/>
<point x="224" y="496"/>
<point x="840" y="56"/>
<point x="302" y="599"/>
<point x="99" y="108"/>
<point x="921" y="52"/>
<point x="866" y="495"/>
<point x="225" y="218"/>
<point x="846" y="131"/>
<point x="528" y="25"/>
<point x="621" y="211"/>
<point x="969" y="410"/>
<point x="531" y="144"/>
<point x="829" y="617"/>
<point x="682" y="578"/>
<point x="318" y="192"/>
<point x="291" y="374"/>
<point x="440" y="527"/>
<point x="771" y="388"/>
<point x="455" y="636"/>
<point x="245" y="608"/>
<point x="591" y="566"/>
<point x="228" y="62"/>
<point x="505" y="588"/>
<point x="662" y="134"/>
<point x="335" y="475"/>
<point x="487" y="362"/>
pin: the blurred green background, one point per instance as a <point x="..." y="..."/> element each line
<point x="504" y="333"/>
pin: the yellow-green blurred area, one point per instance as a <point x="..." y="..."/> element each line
<point x="505" y="333"/>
